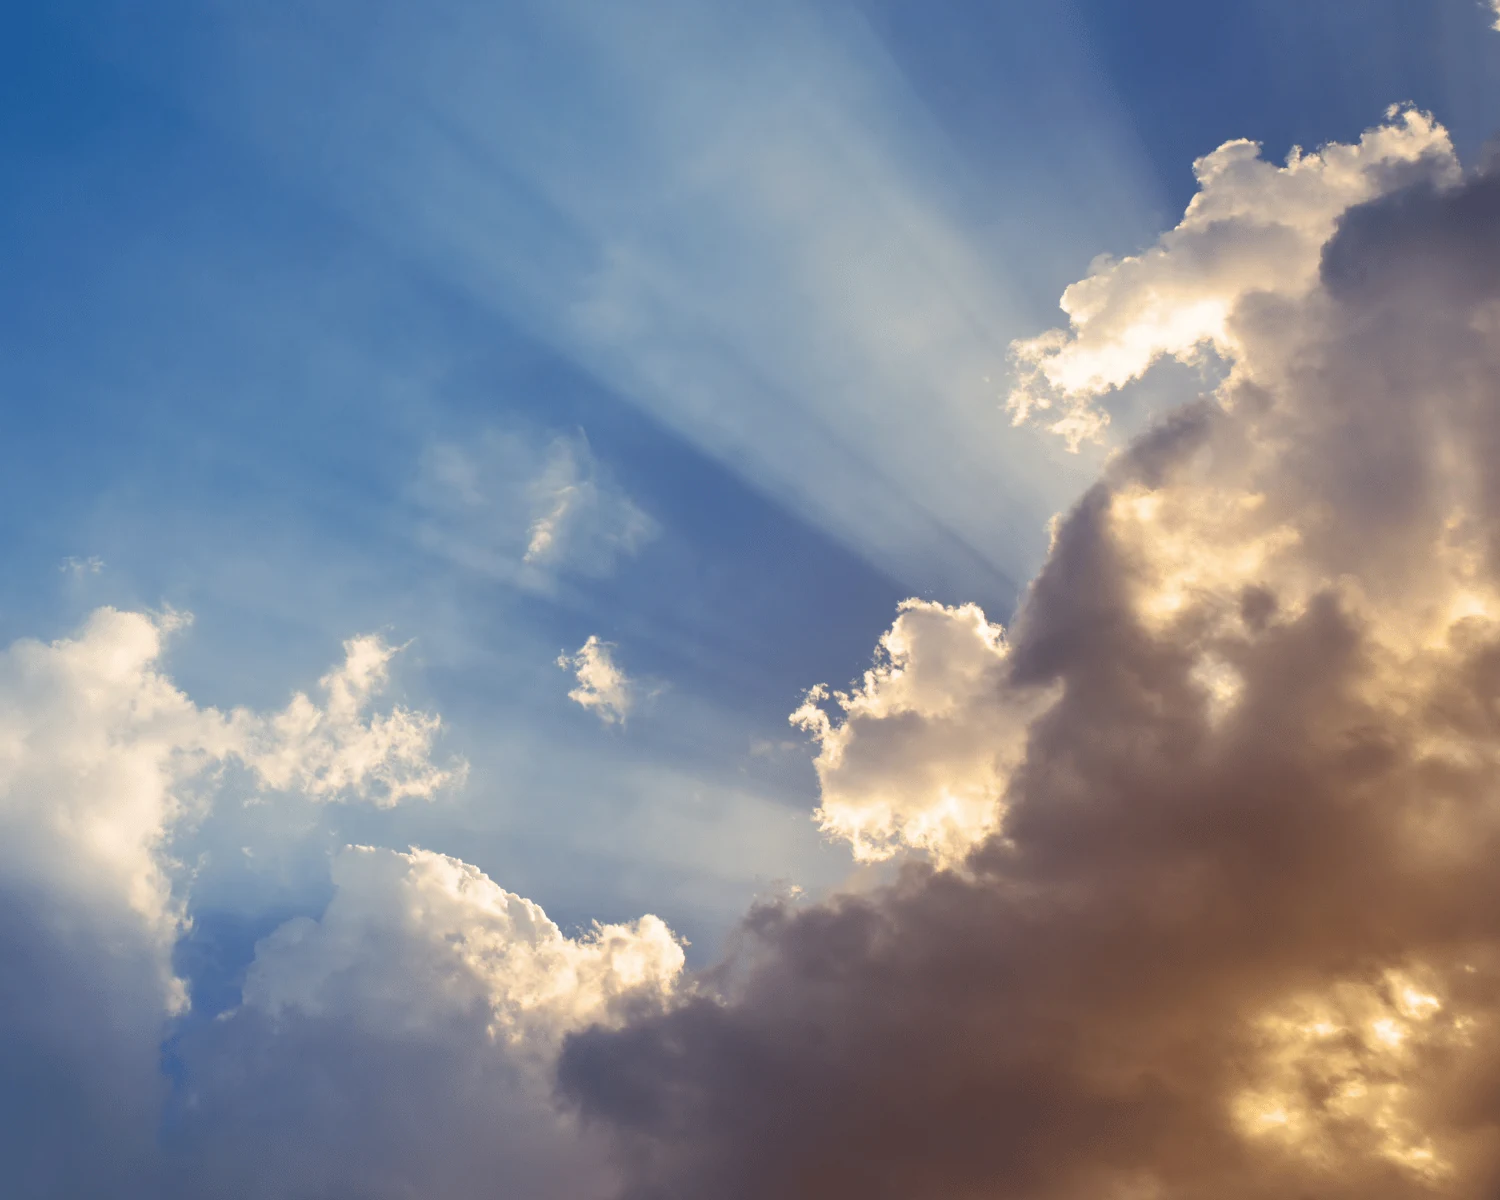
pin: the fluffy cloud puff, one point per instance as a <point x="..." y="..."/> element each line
<point x="1252" y="228"/>
<point x="919" y="753"/>
<point x="102" y="759"/>
<point x="1230" y="927"/>
<point x="402" y="1042"/>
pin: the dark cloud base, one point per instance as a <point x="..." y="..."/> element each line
<point x="1087" y="1010"/>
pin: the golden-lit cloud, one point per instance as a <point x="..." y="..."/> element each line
<point x="603" y="687"/>
<point x="1252" y="228"/>
<point x="1200" y="854"/>
<point x="918" y="755"/>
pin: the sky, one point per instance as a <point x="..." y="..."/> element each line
<point x="820" y="598"/>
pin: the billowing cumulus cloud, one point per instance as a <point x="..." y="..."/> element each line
<point x="410" y="937"/>
<point x="527" y="510"/>
<point x="401" y="1042"/>
<point x="1252" y="228"/>
<point x="603" y="687"/>
<point x="1228" y="927"/>
<point x="925" y="744"/>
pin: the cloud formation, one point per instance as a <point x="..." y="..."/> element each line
<point x="400" y="1042"/>
<point x="528" y="511"/>
<point x="102" y="761"/>
<point x="603" y="688"/>
<point x="339" y="750"/>
<point x="1227" y="927"/>
<point x="403" y="1042"/>
<point x="410" y="937"/>
<point x="1252" y="228"/>
<point x="926" y="741"/>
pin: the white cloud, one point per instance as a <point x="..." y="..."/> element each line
<point x="403" y="1039"/>
<point x="79" y="567"/>
<point x="528" y="511"/>
<point x="404" y="1042"/>
<point x="103" y="762"/>
<point x="602" y="686"/>
<point x="920" y="753"/>
<point x="1253" y="228"/>
<point x="96" y="747"/>
<point x="340" y="750"/>
<point x="100" y="754"/>
<point x="409" y="940"/>
<point x="1495" y="7"/>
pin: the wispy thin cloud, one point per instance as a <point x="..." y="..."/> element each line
<point x="79" y="567"/>
<point x="527" y="510"/>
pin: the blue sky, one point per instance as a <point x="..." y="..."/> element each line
<point x="311" y="311"/>
<point x="766" y="258"/>
<point x="261" y="259"/>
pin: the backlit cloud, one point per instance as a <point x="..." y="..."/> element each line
<point x="403" y="1042"/>
<point x="1227" y="927"/>
<point x="603" y="687"/>
<point x="102" y="761"/>
<point x="926" y="743"/>
<point x="1253" y="228"/>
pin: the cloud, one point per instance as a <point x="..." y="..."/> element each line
<point x="453" y="941"/>
<point x="338" y="750"/>
<point x="1232" y="931"/>
<point x="1252" y="228"/>
<point x="79" y="567"/>
<point x="403" y="1042"/>
<point x="923" y="753"/>
<point x="602" y="686"/>
<point x="1495" y="5"/>
<point x="96" y="749"/>
<point x="528" y="511"/>
<point x="103" y="763"/>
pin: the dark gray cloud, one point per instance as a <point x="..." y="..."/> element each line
<point x="81" y="1085"/>
<point x="322" y="1107"/>
<point x="1239" y="933"/>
